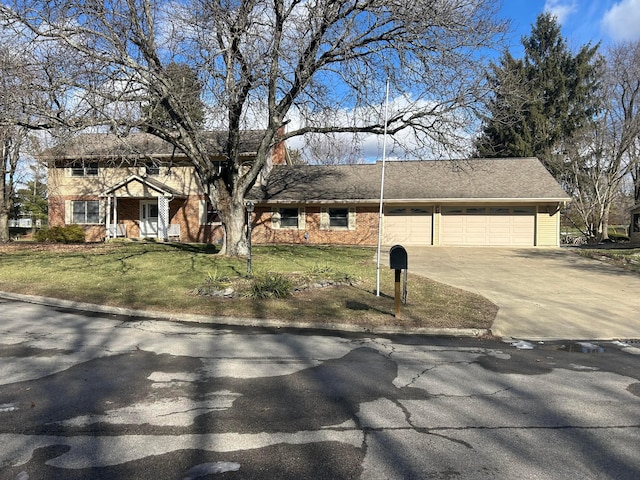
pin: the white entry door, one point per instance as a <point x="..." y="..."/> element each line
<point x="149" y="218"/>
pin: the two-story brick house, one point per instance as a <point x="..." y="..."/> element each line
<point x="137" y="186"/>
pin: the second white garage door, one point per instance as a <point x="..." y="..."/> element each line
<point x="407" y="226"/>
<point x="493" y="226"/>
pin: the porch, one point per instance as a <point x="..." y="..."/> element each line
<point x="139" y="207"/>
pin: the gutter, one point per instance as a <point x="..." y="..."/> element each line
<point x="440" y="201"/>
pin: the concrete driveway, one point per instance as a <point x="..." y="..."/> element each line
<point x="542" y="293"/>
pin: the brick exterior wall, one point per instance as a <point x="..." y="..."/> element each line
<point x="365" y="233"/>
<point x="57" y="216"/>
<point x="184" y="212"/>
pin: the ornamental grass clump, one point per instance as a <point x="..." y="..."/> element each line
<point x="270" y="285"/>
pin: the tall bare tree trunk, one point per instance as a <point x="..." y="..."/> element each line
<point x="234" y="223"/>
<point x="605" y="222"/>
<point x="5" y="196"/>
<point x="4" y="225"/>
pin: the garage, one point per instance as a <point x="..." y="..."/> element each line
<point x="407" y="226"/>
<point x="491" y="226"/>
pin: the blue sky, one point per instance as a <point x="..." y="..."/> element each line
<point x="583" y="21"/>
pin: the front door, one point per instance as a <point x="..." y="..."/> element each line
<point x="149" y="218"/>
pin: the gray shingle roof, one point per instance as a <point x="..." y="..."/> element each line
<point x="108" y="145"/>
<point x="480" y="179"/>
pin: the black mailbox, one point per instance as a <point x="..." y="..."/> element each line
<point x="398" y="258"/>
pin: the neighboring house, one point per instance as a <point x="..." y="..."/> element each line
<point x="634" y="231"/>
<point x="492" y="202"/>
<point x="136" y="186"/>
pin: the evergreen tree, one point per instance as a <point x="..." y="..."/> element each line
<point x="541" y="101"/>
<point x="31" y="199"/>
<point x="505" y="132"/>
<point x="160" y="113"/>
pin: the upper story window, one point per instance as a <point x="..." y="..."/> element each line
<point x="82" y="169"/>
<point x="152" y="168"/>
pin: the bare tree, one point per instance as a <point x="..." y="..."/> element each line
<point x="607" y="152"/>
<point x="13" y="135"/>
<point x="332" y="149"/>
<point x="268" y="64"/>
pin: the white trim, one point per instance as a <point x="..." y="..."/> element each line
<point x="302" y="218"/>
<point x="275" y="218"/>
<point x="352" y="218"/>
<point x="68" y="212"/>
<point x="324" y="218"/>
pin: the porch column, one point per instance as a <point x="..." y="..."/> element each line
<point x="115" y="215"/>
<point x="108" y="225"/>
<point x="163" y="218"/>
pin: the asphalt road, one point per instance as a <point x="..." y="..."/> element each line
<point x="100" y="397"/>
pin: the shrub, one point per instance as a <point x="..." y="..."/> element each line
<point x="271" y="285"/>
<point x="214" y="283"/>
<point x="68" y="234"/>
<point x="619" y="237"/>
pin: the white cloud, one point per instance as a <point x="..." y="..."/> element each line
<point x="622" y="19"/>
<point x="560" y="9"/>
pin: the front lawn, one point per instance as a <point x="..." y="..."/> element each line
<point x="179" y="278"/>
<point x="627" y="258"/>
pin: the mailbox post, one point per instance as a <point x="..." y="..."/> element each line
<point x="398" y="261"/>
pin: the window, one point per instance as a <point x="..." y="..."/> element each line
<point x="288" y="218"/>
<point x="396" y="211"/>
<point x="420" y="211"/>
<point x="209" y="215"/>
<point x="213" y="216"/>
<point x="475" y="211"/>
<point x="338" y="218"/>
<point x="452" y="210"/>
<point x="523" y="210"/>
<point x="636" y="222"/>
<point x="82" y="169"/>
<point x="85" y="211"/>
<point x="499" y="211"/>
<point x="151" y="168"/>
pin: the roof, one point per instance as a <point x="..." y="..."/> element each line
<point x="516" y="179"/>
<point x="109" y="145"/>
<point x="151" y="183"/>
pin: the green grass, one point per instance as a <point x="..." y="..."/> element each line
<point x="627" y="258"/>
<point x="168" y="277"/>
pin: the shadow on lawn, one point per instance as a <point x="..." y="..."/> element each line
<point x="203" y="248"/>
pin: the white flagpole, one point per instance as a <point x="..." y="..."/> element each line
<point x="384" y="157"/>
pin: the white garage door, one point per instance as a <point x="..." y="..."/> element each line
<point x="407" y="226"/>
<point x="493" y="226"/>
